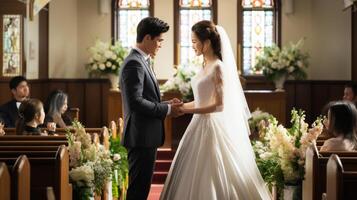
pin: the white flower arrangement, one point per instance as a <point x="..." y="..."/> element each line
<point x="288" y="61"/>
<point x="280" y="153"/>
<point x="181" y="81"/>
<point x="105" y="57"/>
<point x="90" y="164"/>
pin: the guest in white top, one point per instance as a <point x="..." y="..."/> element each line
<point x="342" y="123"/>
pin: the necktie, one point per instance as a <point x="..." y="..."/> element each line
<point x="148" y="61"/>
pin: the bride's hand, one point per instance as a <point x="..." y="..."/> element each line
<point x="183" y="110"/>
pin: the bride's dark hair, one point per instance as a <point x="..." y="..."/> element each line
<point x="206" y="30"/>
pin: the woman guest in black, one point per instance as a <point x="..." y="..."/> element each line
<point x="31" y="115"/>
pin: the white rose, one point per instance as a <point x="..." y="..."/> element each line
<point x="265" y="155"/>
<point x="97" y="57"/>
<point x="275" y="65"/>
<point x="300" y="64"/>
<point x="116" y="157"/>
<point x="94" y="66"/>
<point x="114" y="67"/>
<point x="82" y="173"/>
<point x="114" y="56"/>
<point x="291" y="69"/>
<point x="108" y="64"/>
<point x="108" y="54"/>
<point x="101" y="66"/>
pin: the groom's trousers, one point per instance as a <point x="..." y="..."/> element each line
<point x="141" y="168"/>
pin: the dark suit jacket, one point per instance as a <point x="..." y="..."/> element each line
<point x="9" y="113"/>
<point x="144" y="113"/>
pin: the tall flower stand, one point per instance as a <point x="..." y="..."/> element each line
<point x="114" y="82"/>
<point x="279" y="83"/>
<point x="293" y="191"/>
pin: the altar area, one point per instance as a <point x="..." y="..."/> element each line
<point x="266" y="100"/>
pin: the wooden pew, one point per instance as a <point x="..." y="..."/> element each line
<point x="32" y="137"/>
<point x="59" y="131"/>
<point x="315" y="171"/>
<point x="4" y="182"/>
<point x="48" y="169"/>
<point x="33" y="143"/>
<point x="20" y="177"/>
<point x="341" y="182"/>
<point x="29" y="148"/>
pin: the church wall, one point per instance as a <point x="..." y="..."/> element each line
<point x="325" y="26"/>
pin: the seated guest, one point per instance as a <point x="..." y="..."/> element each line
<point x="342" y="116"/>
<point x="31" y="115"/>
<point x="350" y="92"/>
<point x="20" y="91"/>
<point x="55" y="107"/>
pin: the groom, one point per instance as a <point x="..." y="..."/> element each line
<point x="144" y="113"/>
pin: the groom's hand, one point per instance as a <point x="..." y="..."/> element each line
<point x="175" y="101"/>
<point x="175" y="110"/>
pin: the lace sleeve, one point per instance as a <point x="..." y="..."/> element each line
<point x="218" y="93"/>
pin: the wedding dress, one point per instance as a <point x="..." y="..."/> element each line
<point x="214" y="160"/>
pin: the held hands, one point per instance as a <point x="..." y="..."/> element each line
<point x="176" y="105"/>
<point x="51" y="127"/>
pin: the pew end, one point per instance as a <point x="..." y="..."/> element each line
<point x="21" y="179"/>
<point x="340" y="184"/>
<point x="4" y="182"/>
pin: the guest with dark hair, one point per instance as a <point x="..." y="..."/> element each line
<point x="350" y="92"/>
<point x="31" y="115"/>
<point x="342" y="123"/>
<point x="55" y="108"/>
<point x="20" y="91"/>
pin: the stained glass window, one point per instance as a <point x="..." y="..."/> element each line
<point x="129" y="13"/>
<point x="12" y="48"/>
<point x="191" y="11"/>
<point x="258" y="30"/>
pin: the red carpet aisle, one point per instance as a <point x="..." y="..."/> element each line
<point x="155" y="192"/>
<point x="162" y="167"/>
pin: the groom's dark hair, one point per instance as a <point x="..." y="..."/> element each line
<point x="152" y="26"/>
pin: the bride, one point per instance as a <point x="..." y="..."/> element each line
<point x="215" y="160"/>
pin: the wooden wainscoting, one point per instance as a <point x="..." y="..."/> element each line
<point x="310" y="95"/>
<point x="269" y="101"/>
<point x="91" y="96"/>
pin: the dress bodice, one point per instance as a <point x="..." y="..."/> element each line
<point x="203" y="86"/>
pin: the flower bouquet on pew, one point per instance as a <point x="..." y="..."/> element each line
<point x="90" y="164"/>
<point x="280" y="151"/>
<point x="119" y="156"/>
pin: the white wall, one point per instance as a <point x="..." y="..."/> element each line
<point x="31" y="42"/>
<point x="63" y="39"/>
<point x="91" y="26"/>
<point x="164" y="60"/>
<point x="326" y="27"/>
<point x="327" y="30"/>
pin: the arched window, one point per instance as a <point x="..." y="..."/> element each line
<point x="127" y="15"/>
<point x="187" y="13"/>
<point x="258" y="27"/>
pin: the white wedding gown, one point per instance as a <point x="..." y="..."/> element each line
<point x="208" y="164"/>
